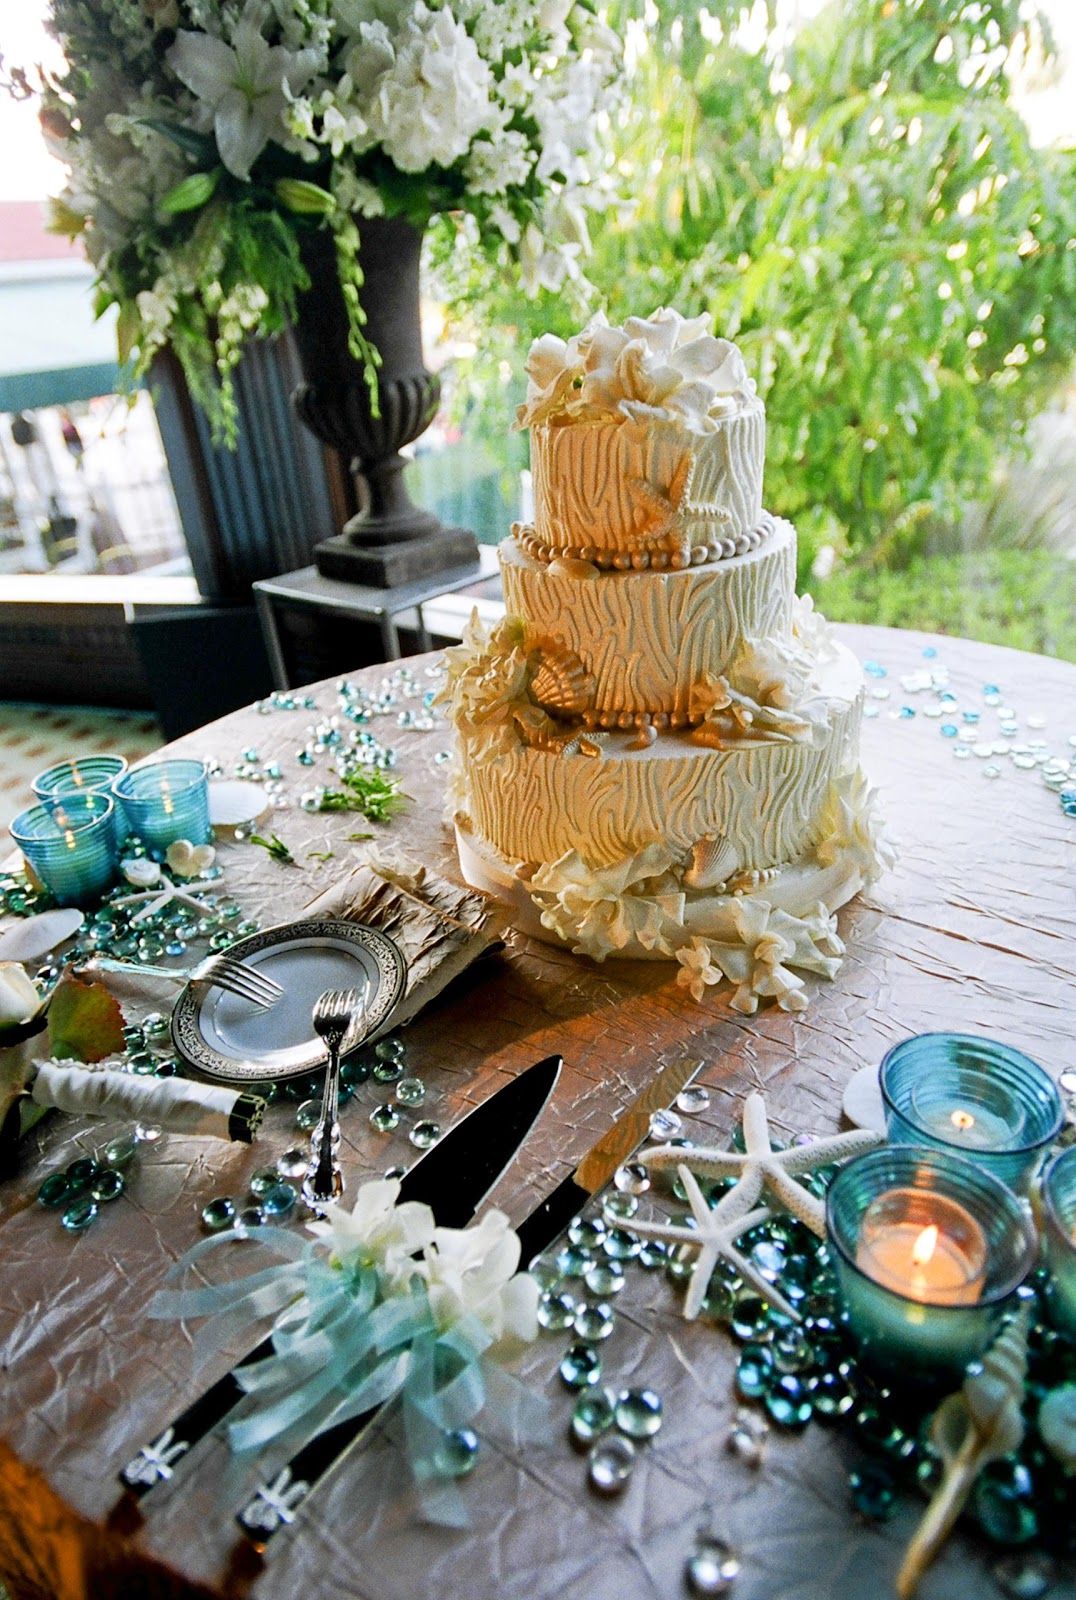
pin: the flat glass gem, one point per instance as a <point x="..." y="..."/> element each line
<point x="384" y="1118"/>
<point x="251" y="1217"/>
<point x="750" y="1317"/>
<point x="394" y="1173"/>
<point x="593" y="1414"/>
<point x="788" y="1402"/>
<point x="612" y="1461"/>
<point x="874" y="1493"/>
<point x="693" y="1099"/>
<point x="410" y="1091"/>
<point x="664" y="1124"/>
<point x="293" y="1163"/>
<point x="457" y="1453"/>
<point x="279" y="1201"/>
<point x="586" y="1233"/>
<point x="1025" y="1574"/>
<point x="54" y="1191"/>
<point x="143" y="1062"/>
<point x="120" y="1152"/>
<point x="147" y="1132"/>
<point x="354" y="1072"/>
<point x="603" y="1277"/>
<point x="556" y="1311"/>
<point x="580" y="1366"/>
<point x="620" y="1245"/>
<point x="425" y="1134"/>
<point x="594" y="1322"/>
<point x="309" y="1115"/>
<point x="654" y="1253"/>
<point x="263" y="1180"/>
<point x="572" y="1262"/>
<point x="747" y="1437"/>
<point x="218" y="1214"/>
<point x="79" y="1214"/>
<point x="632" y="1178"/>
<point x="622" y="1207"/>
<point x="81" y="1173"/>
<point x="388" y="1071"/>
<point x="754" y="1370"/>
<point x="713" y="1567"/>
<point x="108" y="1185"/>
<point x="389" y="1049"/>
<point x="638" y="1413"/>
<point x="155" y="1023"/>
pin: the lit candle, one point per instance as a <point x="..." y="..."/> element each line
<point x="164" y="801"/>
<point x="924" y="1246"/>
<point x="977" y="1113"/>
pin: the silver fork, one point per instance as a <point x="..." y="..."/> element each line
<point x="335" y="1016"/>
<point x="220" y="971"/>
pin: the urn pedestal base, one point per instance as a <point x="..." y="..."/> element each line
<point x="386" y="566"/>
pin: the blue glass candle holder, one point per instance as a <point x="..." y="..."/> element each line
<point x="165" y="801"/>
<point x="927" y="1248"/>
<point x="1059" y="1231"/>
<point x="70" y="842"/>
<point x="974" y="1098"/>
<point x="84" y="774"/>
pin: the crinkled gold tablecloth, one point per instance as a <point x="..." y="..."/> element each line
<point x="974" y="930"/>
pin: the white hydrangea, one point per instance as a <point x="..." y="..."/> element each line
<point x="435" y="97"/>
<point x="496" y="165"/>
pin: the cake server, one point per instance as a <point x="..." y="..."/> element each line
<point x="309" y="1465"/>
<point x="453" y="1178"/>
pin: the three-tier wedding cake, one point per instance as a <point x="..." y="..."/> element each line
<point x="657" y="750"/>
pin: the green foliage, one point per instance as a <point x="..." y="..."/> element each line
<point x="859" y="207"/>
<point x="368" y="791"/>
<point x="275" y="847"/>
<point x="1022" y="598"/>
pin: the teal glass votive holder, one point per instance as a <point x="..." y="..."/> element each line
<point x="165" y="801"/>
<point x="972" y="1097"/>
<point x="70" y="843"/>
<point x="1059" y="1232"/>
<point x="84" y="774"/>
<point x="927" y="1248"/>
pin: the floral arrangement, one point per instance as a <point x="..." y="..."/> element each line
<point x="203" y="136"/>
<point x="381" y="1305"/>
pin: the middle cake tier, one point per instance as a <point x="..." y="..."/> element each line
<point x="646" y="639"/>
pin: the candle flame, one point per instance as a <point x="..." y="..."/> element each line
<point x="925" y="1246"/>
<point x="962" y="1120"/>
<point x="69" y="839"/>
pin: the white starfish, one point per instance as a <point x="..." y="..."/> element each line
<point x="715" y="1238"/>
<point x="154" y="900"/>
<point x="761" y="1167"/>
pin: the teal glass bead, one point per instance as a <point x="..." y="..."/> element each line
<point x="388" y="1071"/>
<point x="610" y="1464"/>
<point x="603" y="1277"/>
<point x="218" y="1214"/>
<point x="456" y="1454"/>
<point x="120" y="1151"/>
<point x="263" y="1180"/>
<point x="250" y="1217"/>
<point x="107" y="1185"/>
<point x="788" y="1402"/>
<point x="580" y="1367"/>
<point x="293" y="1163"/>
<point x="81" y="1173"/>
<point x="410" y="1091"/>
<point x="873" y="1490"/>
<point x="133" y="1038"/>
<point x="769" y="1258"/>
<point x="719" y="1302"/>
<point x="593" y="1415"/>
<point x="54" y="1191"/>
<point x="156" y="1025"/>
<point x="754" y="1371"/>
<point x="384" y="1118"/>
<point x="80" y="1213"/>
<point x="354" y="1072"/>
<point x="168" y="1067"/>
<point x="712" y="1568"/>
<point x="751" y="1318"/>
<point x="143" y="1063"/>
<point x="545" y="1273"/>
<point x="1002" y="1503"/>
<point x="587" y="1233"/>
<point x="425" y="1134"/>
<point x="308" y="1115"/>
<point x="831" y="1396"/>
<point x="571" y="1262"/>
<point x="556" y="1310"/>
<point x="621" y="1207"/>
<point x="652" y="1253"/>
<point x="594" y="1322"/>
<point x="791" y="1352"/>
<point x="620" y="1245"/>
<point x="278" y="1201"/>
<point x="638" y="1413"/>
<point x="391" y="1049"/>
<point x="222" y="940"/>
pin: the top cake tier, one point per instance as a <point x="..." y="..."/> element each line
<point x="647" y="445"/>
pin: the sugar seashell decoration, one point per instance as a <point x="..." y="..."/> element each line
<point x="570" y="567"/>
<point x="713" y="860"/>
<point x="644" y="738"/>
<point x="561" y="683"/>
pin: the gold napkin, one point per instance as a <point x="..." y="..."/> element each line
<point x="440" y="927"/>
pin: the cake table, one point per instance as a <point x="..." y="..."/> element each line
<point x="975" y="930"/>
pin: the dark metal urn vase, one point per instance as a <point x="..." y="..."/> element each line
<point x="390" y="541"/>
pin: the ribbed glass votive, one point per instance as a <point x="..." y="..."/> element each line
<point x="1059" y="1208"/>
<point x="927" y="1248"/>
<point x="972" y="1097"/>
<point x="165" y="801"/>
<point x="70" y="843"/>
<point x="92" y="774"/>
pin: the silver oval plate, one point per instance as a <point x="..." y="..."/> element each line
<point x="227" y="1038"/>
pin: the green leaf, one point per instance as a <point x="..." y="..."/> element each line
<point x="200" y="145"/>
<point x="85" y="1021"/>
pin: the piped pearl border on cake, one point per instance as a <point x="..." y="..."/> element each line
<point x="673" y="555"/>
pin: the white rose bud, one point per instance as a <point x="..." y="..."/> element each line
<point x="19" y="1000"/>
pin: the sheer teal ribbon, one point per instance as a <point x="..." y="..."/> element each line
<point x="339" y="1350"/>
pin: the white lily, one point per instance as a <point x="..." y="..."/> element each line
<point x="245" y="85"/>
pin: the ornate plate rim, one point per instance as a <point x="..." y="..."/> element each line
<point x="191" y="1044"/>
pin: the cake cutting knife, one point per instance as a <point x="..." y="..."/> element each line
<point x="453" y="1178"/>
<point x="268" y="1510"/>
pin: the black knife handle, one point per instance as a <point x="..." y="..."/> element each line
<point x="275" y="1503"/>
<point x="154" y="1462"/>
<point x="550" y="1219"/>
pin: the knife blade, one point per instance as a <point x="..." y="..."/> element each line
<point x="597" y="1167"/>
<point x="275" y="1505"/>
<point x="453" y="1178"/>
